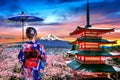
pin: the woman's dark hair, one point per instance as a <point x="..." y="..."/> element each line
<point x="31" y="32"/>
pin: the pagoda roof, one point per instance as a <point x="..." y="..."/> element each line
<point x="95" y="40"/>
<point x="92" y="53"/>
<point x="95" y="53"/>
<point x="79" y="30"/>
<point x="75" y="65"/>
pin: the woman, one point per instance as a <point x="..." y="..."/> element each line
<point x="32" y="56"/>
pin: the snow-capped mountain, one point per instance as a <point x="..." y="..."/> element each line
<point x="50" y="37"/>
<point x="51" y="40"/>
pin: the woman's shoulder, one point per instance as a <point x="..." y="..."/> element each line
<point x="26" y="45"/>
<point x="40" y="45"/>
<point x="37" y="42"/>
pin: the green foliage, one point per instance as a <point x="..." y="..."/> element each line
<point x="74" y="47"/>
<point x="15" y="78"/>
<point x="16" y="69"/>
<point x="118" y="75"/>
<point x="116" y="61"/>
<point x="66" y="77"/>
<point x="114" y="48"/>
<point x="104" y="50"/>
<point x="54" y="78"/>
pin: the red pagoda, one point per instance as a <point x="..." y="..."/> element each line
<point x="90" y="56"/>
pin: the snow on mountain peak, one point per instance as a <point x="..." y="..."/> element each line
<point x="50" y="37"/>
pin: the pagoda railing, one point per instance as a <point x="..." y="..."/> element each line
<point x="95" y="37"/>
<point x="90" y="62"/>
<point x="95" y="49"/>
<point x="94" y="62"/>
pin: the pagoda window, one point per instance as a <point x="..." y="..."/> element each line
<point x="82" y="58"/>
<point x="76" y="56"/>
<point x="103" y="58"/>
<point x="83" y="33"/>
<point x="91" y="45"/>
<point x="92" y="34"/>
<point x="81" y="45"/>
<point x="79" y="57"/>
<point x="88" y="45"/>
<point x="92" y="59"/>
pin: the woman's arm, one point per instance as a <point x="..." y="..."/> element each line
<point x="43" y="52"/>
<point x="21" y="55"/>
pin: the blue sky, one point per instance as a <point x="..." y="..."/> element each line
<point x="60" y="16"/>
<point x="59" y="9"/>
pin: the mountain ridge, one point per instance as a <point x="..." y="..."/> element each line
<point x="55" y="43"/>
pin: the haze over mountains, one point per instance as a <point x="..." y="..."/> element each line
<point x="48" y="41"/>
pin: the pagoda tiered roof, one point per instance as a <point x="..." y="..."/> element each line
<point x="92" y="53"/>
<point x="75" y="65"/>
<point x="100" y="40"/>
<point x="89" y="56"/>
<point x="79" y="30"/>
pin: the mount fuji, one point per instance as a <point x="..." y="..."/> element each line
<point x="52" y="41"/>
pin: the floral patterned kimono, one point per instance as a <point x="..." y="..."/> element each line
<point x="32" y="68"/>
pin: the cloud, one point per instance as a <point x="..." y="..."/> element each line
<point x="6" y="23"/>
<point x="107" y="21"/>
<point x="0" y="37"/>
<point x="104" y="7"/>
<point x="4" y="2"/>
<point x="9" y="38"/>
<point x="51" y="24"/>
<point x="61" y="16"/>
<point x="113" y="35"/>
<point x="64" y="1"/>
<point x="9" y="7"/>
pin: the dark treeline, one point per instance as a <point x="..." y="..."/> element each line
<point x="114" y="48"/>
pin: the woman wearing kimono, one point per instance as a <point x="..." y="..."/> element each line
<point x="32" y="56"/>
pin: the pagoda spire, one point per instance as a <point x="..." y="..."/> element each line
<point x="87" y="15"/>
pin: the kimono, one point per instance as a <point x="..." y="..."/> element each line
<point x="32" y="69"/>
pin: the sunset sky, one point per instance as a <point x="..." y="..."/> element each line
<point x="61" y="17"/>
